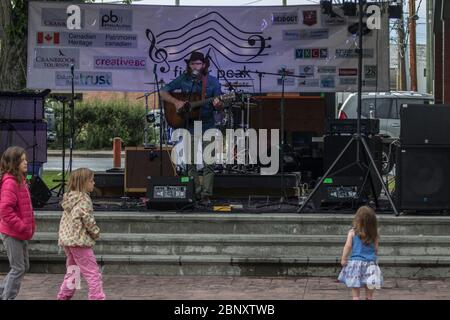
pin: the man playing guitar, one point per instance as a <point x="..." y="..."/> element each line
<point x="196" y="80"/>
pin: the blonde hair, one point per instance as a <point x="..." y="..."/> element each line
<point x="79" y="179"/>
<point x="365" y="224"/>
<point x="10" y="162"/>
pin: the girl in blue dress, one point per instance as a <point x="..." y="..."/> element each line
<point x="361" y="269"/>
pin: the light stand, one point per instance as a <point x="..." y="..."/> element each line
<point x="358" y="138"/>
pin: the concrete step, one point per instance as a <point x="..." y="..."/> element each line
<point x="226" y="223"/>
<point x="223" y="265"/>
<point x="246" y="245"/>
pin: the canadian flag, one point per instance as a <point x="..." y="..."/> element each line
<point x="48" y="37"/>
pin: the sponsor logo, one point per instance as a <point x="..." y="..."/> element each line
<point x="345" y="72"/>
<point x="309" y="83"/>
<point x="326" y="69"/>
<point x="87" y="39"/>
<point x="291" y="35"/>
<point x="314" y="34"/>
<point x="353" y="53"/>
<point x="309" y="17"/>
<point x="370" y="72"/>
<point x="311" y="53"/>
<point x="306" y="71"/>
<point x="47" y="38"/>
<point x="49" y="58"/>
<point x="84" y="79"/>
<point x="104" y="62"/>
<point x="55" y="17"/>
<point x="284" y="18"/>
<point x="348" y="81"/>
<point x="116" y="20"/>
<point x="327" y="81"/>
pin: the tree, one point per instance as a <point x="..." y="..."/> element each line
<point x="13" y="47"/>
<point x="13" y="43"/>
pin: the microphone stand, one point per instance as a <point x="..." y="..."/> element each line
<point x="161" y="122"/>
<point x="283" y="74"/>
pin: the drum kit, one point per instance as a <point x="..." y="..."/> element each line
<point x="237" y="116"/>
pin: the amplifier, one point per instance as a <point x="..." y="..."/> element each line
<point x="349" y="126"/>
<point x="141" y="163"/>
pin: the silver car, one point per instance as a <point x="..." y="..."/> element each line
<point x="386" y="107"/>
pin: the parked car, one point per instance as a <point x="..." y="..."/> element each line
<point x="384" y="106"/>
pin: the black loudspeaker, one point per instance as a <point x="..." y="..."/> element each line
<point x="423" y="176"/>
<point x="21" y="134"/>
<point x="39" y="191"/>
<point x="425" y="125"/>
<point x="333" y="146"/>
<point x="21" y="107"/>
<point x="347" y="178"/>
<point x="170" y="193"/>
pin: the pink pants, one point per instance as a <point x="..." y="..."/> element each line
<point x="84" y="258"/>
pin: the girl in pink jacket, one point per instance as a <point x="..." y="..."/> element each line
<point x="17" y="223"/>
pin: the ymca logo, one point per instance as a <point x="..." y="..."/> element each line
<point x="48" y="38"/>
<point x="311" y="53"/>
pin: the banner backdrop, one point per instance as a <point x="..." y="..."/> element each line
<point x="120" y="47"/>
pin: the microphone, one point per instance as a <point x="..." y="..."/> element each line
<point x="195" y="74"/>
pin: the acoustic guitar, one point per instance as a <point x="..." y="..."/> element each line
<point x="191" y="109"/>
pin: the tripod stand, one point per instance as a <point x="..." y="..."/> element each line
<point x="357" y="138"/>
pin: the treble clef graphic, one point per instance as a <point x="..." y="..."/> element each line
<point x="157" y="55"/>
<point x="252" y="41"/>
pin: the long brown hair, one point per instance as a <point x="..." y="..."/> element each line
<point x="79" y="179"/>
<point x="365" y="224"/>
<point x="10" y="162"/>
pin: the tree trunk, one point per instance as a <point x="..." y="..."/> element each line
<point x="13" y="48"/>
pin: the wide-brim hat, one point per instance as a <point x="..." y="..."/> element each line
<point x="197" y="56"/>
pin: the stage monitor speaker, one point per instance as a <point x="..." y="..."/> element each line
<point x="141" y="163"/>
<point x="40" y="193"/>
<point x="170" y="193"/>
<point x="425" y="125"/>
<point x="21" y="134"/>
<point x="423" y="178"/>
<point x="343" y="191"/>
